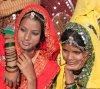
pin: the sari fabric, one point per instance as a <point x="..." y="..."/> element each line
<point x="45" y="67"/>
<point x="87" y="13"/>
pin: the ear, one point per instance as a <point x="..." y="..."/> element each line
<point x="85" y="55"/>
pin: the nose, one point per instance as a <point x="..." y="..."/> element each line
<point x="27" y="36"/>
<point x="70" y="56"/>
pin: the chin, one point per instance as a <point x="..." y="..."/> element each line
<point x="25" y="48"/>
<point x="74" y="67"/>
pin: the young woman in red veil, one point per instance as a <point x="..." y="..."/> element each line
<point x="37" y="47"/>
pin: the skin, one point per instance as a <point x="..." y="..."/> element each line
<point x="28" y="37"/>
<point x="75" y="59"/>
<point x="29" y="34"/>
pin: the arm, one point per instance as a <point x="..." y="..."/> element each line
<point x="69" y="76"/>
<point x="12" y="72"/>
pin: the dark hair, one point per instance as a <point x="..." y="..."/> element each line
<point x="77" y="37"/>
<point x="40" y="18"/>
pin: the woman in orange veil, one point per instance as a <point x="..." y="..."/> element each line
<point x="44" y="57"/>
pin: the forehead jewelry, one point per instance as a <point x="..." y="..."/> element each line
<point x="70" y="40"/>
<point x="32" y="15"/>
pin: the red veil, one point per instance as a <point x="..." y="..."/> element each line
<point x="45" y="66"/>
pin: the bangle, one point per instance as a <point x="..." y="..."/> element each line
<point x="11" y="60"/>
<point x="10" y="49"/>
<point x="12" y="56"/>
<point x="9" y="44"/>
<point x="12" y="67"/>
<point x="11" y="53"/>
<point x="12" y="71"/>
<point x="72" y="87"/>
<point x="69" y="83"/>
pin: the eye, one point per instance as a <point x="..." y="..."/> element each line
<point x="35" y="33"/>
<point x="77" y="52"/>
<point x="22" y="29"/>
<point x="64" y="50"/>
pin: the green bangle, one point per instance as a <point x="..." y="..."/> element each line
<point x="11" y="60"/>
<point x="9" y="44"/>
<point x="12" y="67"/>
<point x="72" y="87"/>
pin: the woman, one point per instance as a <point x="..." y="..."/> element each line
<point x="37" y="47"/>
<point x="87" y="13"/>
<point x="78" y="56"/>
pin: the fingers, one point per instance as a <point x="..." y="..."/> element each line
<point x="15" y="84"/>
<point x="9" y="83"/>
<point x="23" y="58"/>
<point x="12" y="84"/>
<point x="26" y="56"/>
<point x="19" y="64"/>
<point x="18" y="80"/>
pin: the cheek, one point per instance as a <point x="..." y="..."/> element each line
<point x="20" y="35"/>
<point x="64" y="55"/>
<point x="35" y="39"/>
<point x="81" y="62"/>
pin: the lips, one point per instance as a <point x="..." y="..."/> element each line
<point x="70" y="62"/>
<point x="25" y="43"/>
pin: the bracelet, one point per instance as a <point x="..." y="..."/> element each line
<point x="9" y="57"/>
<point x="11" y="60"/>
<point x="12" y="67"/>
<point x="11" y="53"/>
<point x="72" y="87"/>
<point x="12" y="71"/>
<point x="69" y="83"/>
<point x="9" y="44"/>
<point x="8" y="50"/>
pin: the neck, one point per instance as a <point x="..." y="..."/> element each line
<point x="30" y="53"/>
<point x="77" y="72"/>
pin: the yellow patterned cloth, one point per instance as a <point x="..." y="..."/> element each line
<point x="87" y="13"/>
<point x="60" y="83"/>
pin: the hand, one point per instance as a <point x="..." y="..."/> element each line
<point x="69" y="76"/>
<point x="12" y="79"/>
<point x="25" y="65"/>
